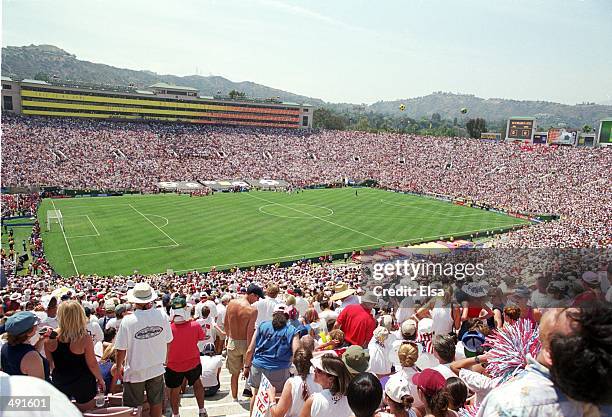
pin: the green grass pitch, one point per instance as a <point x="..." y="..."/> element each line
<point x="117" y="235"/>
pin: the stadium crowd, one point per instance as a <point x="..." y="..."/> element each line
<point x="82" y="154"/>
<point x="327" y="344"/>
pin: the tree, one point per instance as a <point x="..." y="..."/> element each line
<point x="587" y="129"/>
<point x="436" y="118"/>
<point x="41" y="76"/>
<point x="234" y="94"/>
<point x="475" y="127"/>
<point x="328" y="119"/>
<point x="363" y="124"/>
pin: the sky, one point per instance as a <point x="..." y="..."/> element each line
<point x="358" y="51"/>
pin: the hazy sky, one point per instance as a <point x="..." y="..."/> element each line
<point x="351" y="51"/>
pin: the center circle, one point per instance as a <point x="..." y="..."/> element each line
<point x="296" y="211"/>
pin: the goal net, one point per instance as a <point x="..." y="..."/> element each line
<point x="54" y="216"/>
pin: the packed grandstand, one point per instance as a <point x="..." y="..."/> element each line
<point x="564" y="181"/>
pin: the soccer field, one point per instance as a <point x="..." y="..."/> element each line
<point x="117" y="235"/>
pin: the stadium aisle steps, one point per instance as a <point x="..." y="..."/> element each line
<point x="221" y="404"/>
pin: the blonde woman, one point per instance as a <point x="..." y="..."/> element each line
<point x="408" y="354"/>
<point x="75" y="370"/>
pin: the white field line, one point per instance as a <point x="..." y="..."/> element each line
<point x="125" y="250"/>
<point x="161" y="217"/>
<point x="67" y="245"/>
<point x="317" y="217"/>
<point x="156" y="226"/>
<point x="301" y="255"/>
<point x="94" y="226"/>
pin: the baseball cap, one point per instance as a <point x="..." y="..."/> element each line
<point x="356" y="359"/>
<point x="397" y="388"/>
<point x="178" y="302"/>
<point x="281" y="307"/>
<point x="409" y="327"/>
<point x="472" y="341"/>
<point x="20" y="322"/>
<point x="429" y="381"/>
<point x="209" y="349"/>
<point x="591" y="277"/>
<point x="120" y="309"/>
<point x="255" y="289"/>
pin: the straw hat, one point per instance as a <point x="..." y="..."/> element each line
<point x="341" y="290"/>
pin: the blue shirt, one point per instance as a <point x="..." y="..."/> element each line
<point x="532" y="394"/>
<point x="273" y="347"/>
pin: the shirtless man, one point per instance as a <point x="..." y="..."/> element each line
<point x="239" y="325"/>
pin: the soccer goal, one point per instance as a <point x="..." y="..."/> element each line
<point x="54" y="216"/>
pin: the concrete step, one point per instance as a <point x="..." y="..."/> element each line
<point x="221" y="404"/>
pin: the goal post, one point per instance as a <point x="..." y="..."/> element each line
<point x="54" y="216"/>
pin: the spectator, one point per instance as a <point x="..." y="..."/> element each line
<point x="356" y="359"/>
<point x="574" y="365"/>
<point x="399" y="399"/>
<point x="444" y="351"/>
<point x="356" y="321"/>
<point x="75" y="370"/>
<point x="431" y="388"/>
<point x="379" y="348"/>
<point x="142" y="344"/>
<point x="364" y="394"/>
<point x="265" y="307"/>
<point x="331" y="374"/>
<point x="270" y="351"/>
<point x="297" y="389"/>
<point x="458" y="393"/>
<point x="109" y="310"/>
<point x="240" y="319"/>
<point x="211" y="369"/>
<point x="184" y="356"/>
<point x="19" y="355"/>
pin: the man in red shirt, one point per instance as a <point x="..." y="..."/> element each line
<point x="357" y="322"/>
<point x="184" y="356"/>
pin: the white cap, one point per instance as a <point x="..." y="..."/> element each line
<point x="591" y="277"/>
<point x="397" y="388"/>
<point x="426" y="326"/>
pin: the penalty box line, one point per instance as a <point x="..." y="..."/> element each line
<point x="156" y="226"/>
<point x="317" y="217"/>
<point x="66" y="240"/>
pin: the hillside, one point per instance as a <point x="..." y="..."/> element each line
<point x="448" y="105"/>
<point x="27" y="61"/>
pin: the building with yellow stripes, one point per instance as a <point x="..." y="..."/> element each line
<point x="162" y="102"/>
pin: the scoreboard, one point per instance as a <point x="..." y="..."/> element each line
<point x="520" y="129"/>
<point x="605" y="133"/>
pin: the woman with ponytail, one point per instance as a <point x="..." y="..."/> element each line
<point x="297" y="389"/>
<point x="407" y="355"/>
<point x="431" y="387"/>
<point x="399" y="399"/>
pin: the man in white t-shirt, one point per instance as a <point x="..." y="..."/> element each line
<point x="143" y="339"/>
<point x="444" y="351"/>
<point x="300" y="302"/>
<point x="265" y="307"/>
<point x="207" y="301"/>
<point x="211" y="369"/>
